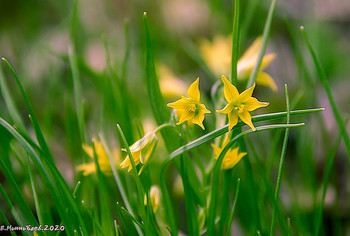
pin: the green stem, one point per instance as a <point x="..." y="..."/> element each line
<point x="265" y="37"/>
<point x="235" y="43"/>
<point x="228" y="229"/>
<point x="279" y="177"/>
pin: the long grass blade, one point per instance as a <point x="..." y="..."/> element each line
<point x="33" y="118"/>
<point x="262" y="50"/>
<point x="228" y="229"/>
<point x="235" y="43"/>
<point x="280" y="170"/>
<point x="325" y="84"/>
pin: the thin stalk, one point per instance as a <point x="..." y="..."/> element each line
<point x="327" y="88"/>
<point x="265" y="37"/>
<point x="235" y="43"/>
<point x="228" y="229"/>
<point x="280" y="170"/>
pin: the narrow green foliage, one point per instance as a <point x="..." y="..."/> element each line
<point x="265" y="38"/>
<point x="235" y="43"/>
<point x="11" y="107"/>
<point x="228" y="228"/>
<point x="280" y="170"/>
<point x="325" y="84"/>
<point x="33" y="118"/>
<point x="216" y="172"/>
<point x="327" y="172"/>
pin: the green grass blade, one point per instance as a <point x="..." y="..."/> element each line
<point x="235" y="43"/>
<point x="17" y="197"/>
<point x="56" y="185"/>
<point x="280" y="170"/>
<point x="10" y="103"/>
<point x="325" y="84"/>
<point x="262" y="50"/>
<point x="5" y="220"/>
<point x="34" y="120"/>
<point x="214" y="189"/>
<point x="77" y="93"/>
<point x="105" y="209"/>
<point x="220" y="131"/>
<point x="327" y="172"/>
<point x="228" y="229"/>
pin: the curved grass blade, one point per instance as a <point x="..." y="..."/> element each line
<point x="235" y="43"/>
<point x="279" y="176"/>
<point x="265" y="37"/>
<point x="228" y="229"/>
<point x="56" y="185"/>
<point x="214" y="189"/>
<point x="325" y="84"/>
<point x="10" y="103"/>
<point x="34" y="120"/>
<point x="220" y="131"/>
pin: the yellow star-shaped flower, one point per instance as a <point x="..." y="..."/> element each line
<point x="141" y="150"/>
<point x="232" y="156"/>
<point x="155" y="198"/>
<point x="217" y="55"/>
<point x="239" y="105"/>
<point x="189" y="109"/>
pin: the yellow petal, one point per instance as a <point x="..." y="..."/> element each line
<point x="226" y="110"/>
<point x="252" y="51"/>
<point x="246" y="118"/>
<point x="246" y="94"/>
<point x="216" y="150"/>
<point x="230" y="91"/>
<point x="252" y="104"/>
<point x="88" y="150"/>
<point x="232" y="119"/>
<point x="179" y="105"/>
<point x="199" y="120"/>
<point x="267" y="59"/>
<point x="188" y="115"/>
<point x="193" y="90"/>
<point x="266" y="80"/>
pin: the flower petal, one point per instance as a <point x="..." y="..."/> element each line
<point x="187" y="115"/>
<point x="252" y="51"/>
<point x="267" y="59"/>
<point x="246" y="94"/>
<point x="266" y="80"/>
<point x="252" y="104"/>
<point x="193" y="90"/>
<point x="232" y="119"/>
<point x="246" y="118"/>
<point x="216" y="150"/>
<point x="226" y="110"/>
<point x="199" y="120"/>
<point x="230" y="91"/>
<point x="181" y="104"/>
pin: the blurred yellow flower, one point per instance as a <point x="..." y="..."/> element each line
<point x="155" y="198"/>
<point x="239" y="105"/>
<point x="217" y="55"/>
<point x="102" y="158"/>
<point x="232" y="156"/>
<point x="189" y="109"/>
<point x="170" y="85"/>
<point x="141" y="150"/>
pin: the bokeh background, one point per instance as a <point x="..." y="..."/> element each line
<point x="35" y="38"/>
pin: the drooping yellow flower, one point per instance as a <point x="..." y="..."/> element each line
<point x="102" y="159"/>
<point x="189" y="109"/>
<point x="239" y="105"/>
<point x="232" y="156"/>
<point x="217" y="55"/>
<point x="141" y="150"/>
<point x="171" y="86"/>
<point x="155" y="198"/>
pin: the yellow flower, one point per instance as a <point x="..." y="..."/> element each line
<point x="189" y="109"/>
<point x="239" y="105"/>
<point x="155" y="198"/>
<point x="232" y="156"/>
<point x="217" y="55"/>
<point x="102" y="159"/>
<point x="170" y="85"/>
<point x="141" y="150"/>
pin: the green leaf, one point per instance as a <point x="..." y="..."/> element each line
<point x="325" y="84"/>
<point x="235" y="43"/>
<point x="214" y="190"/>
<point x="33" y="118"/>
